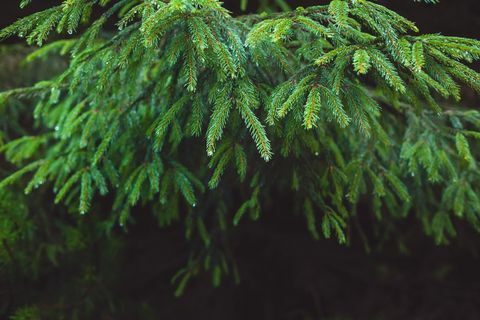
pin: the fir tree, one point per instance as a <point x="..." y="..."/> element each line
<point x="201" y="116"/>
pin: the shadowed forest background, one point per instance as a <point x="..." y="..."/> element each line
<point x="287" y="275"/>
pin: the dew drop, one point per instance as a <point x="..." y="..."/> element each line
<point x="316" y="153"/>
<point x="54" y="95"/>
<point x="194" y="205"/>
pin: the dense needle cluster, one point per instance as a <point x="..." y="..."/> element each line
<point x="201" y="116"/>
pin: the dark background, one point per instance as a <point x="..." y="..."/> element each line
<point x="287" y="275"/>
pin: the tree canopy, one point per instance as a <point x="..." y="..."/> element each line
<point x="199" y="117"/>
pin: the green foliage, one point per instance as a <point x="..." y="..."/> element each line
<point x="345" y="99"/>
